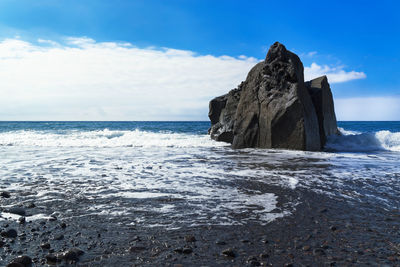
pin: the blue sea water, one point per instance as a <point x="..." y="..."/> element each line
<point x="140" y="165"/>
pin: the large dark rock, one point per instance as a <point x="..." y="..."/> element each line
<point x="273" y="107"/>
<point x="222" y="114"/>
<point x="321" y="96"/>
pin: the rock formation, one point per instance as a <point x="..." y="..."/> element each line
<point x="275" y="108"/>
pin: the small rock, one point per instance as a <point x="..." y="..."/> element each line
<point x="333" y="228"/>
<point x="17" y="210"/>
<point x="5" y="194"/>
<point x="187" y="250"/>
<point x="23" y="261"/>
<point x="190" y="238"/>
<point x="15" y="264"/>
<point x="51" y="258"/>
<point x="323" y="210"/>
<point x="319" y="252"/>
<point x="136" y="248"/>
<point x="52" y="218"/>
<point x="2" y="243"/>
<point x="264" y="255"/>
<point x="228" y="253"/>
<point x="59" y="237"/>
<point x="22" y="220"/>
<point x="220" y="242"/>
<point x="63" y="225"/>
<point x="306" y="248"/>
<point x="11" y="233"/>
<point x="72" y="254"/>
<point x="45" y="245"/>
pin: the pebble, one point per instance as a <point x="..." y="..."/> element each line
<point x="333" y="228"/>
<point x="187" y="250"/>
<point x="51" y="258"/>
<point x="22" y="220"/>
<point x="5" y="194"/>
<point x="228" y="253"/>
<point x="220" y="242"/>
<point x="22" y="261"/>
<point x="59" y="237"/>
<point x="72" y="254"/>
<point x="190" y="238"/>
<point x="11" y="233"/>
<point x="319" y="252"/>
<point x="45" y="245"/>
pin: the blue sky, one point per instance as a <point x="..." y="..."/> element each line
<point x="338" y="36"/>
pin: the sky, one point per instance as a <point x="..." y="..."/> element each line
<point x="164" y="60"/>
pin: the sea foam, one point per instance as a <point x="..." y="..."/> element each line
<point x="105" y="138"/>
<point x="352" y="141"/>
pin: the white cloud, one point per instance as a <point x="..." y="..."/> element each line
<point x="82" y="79"/>
<point x="88" y="80"/>
<point x="368" y="108"/>
<point x="334" y="74"/>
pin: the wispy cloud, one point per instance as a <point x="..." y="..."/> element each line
<point x="81" y="79"/>
<point x="334" y="74"/>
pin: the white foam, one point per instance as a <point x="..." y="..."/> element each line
<point x="351" y="141"/>
<point x="105" y="138"/>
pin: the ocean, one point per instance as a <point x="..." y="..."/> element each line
<point x="172" y="175"/>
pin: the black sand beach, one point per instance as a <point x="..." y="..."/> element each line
<point x="322" y="231"/>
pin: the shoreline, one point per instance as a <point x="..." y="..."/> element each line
<point x="321" y="231"/>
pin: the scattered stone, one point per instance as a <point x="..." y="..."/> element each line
<point x="17" y="210"/>
<point x="228" y="253"/>
<point x="52" y="218"/>
<point x="15" y="264"/>
<point x="72" y="255"/>
<point x="187" y="250"/>
<point x="323" y="210"/>
<point x="178" y="250"/>
<point x="5" y="194"/>
<point x="59" y="237"/>
<point x="136" y="248"/>
<point x="2" y="243"/>
<point x="190" y="238"/>
<point x="63" y="225"/>
<point x="22" y="220"/>
<point x="45" y="245"/>
<point x="264" y="255"/>
<point x="10" y="233"/>
<point x="319" y="252"/>
<point x="51" y="259"/>
<point x="333" y="228"/>
<point x="22" y="260"/>
<point x="306" y="248"/>
<point x="220" y="242"/>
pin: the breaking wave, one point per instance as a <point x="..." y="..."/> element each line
<point x="351" y="141"/>
<point x="105" y="138"/>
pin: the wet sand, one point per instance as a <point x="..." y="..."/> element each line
<point x="321" y="231"/>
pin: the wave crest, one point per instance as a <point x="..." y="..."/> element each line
<point x="351" y="141"/>
<point x="105" y="138"/>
